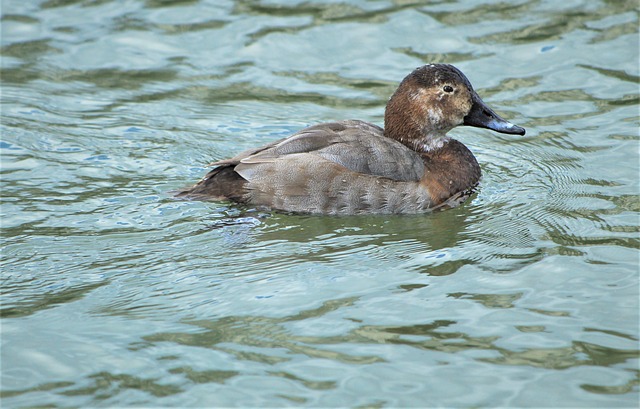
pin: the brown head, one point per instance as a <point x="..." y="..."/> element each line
<point x="431" y="101"/>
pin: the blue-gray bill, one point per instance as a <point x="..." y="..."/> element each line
<point x="481" y="116"/>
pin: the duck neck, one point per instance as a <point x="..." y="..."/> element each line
<point x="421" y="136"/>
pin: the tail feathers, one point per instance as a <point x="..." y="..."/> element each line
<point x="222" y="183"/>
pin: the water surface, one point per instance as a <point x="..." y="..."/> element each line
<point x="116" y="295"/>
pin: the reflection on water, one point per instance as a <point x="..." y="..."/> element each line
<point x="114" y="294"/>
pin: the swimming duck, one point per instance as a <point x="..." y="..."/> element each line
<point x="354" y="167"/>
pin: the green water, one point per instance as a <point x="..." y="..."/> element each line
<point x="115" y="295"/>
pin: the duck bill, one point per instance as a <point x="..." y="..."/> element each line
<point x="481" y="116"/>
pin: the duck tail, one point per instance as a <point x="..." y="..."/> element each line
<point x="221" y="183"/>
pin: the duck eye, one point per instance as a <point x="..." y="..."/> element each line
<point x="448" y="88"/>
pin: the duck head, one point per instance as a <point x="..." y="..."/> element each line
<point x="431" y="101"/>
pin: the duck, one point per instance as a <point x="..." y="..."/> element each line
<point x="353" y="167"/>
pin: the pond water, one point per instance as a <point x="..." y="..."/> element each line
<point x="116" y="295"/>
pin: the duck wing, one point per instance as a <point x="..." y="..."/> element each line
<point x="357" y="145"/>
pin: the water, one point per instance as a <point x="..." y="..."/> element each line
<point x="115" y="295"/>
